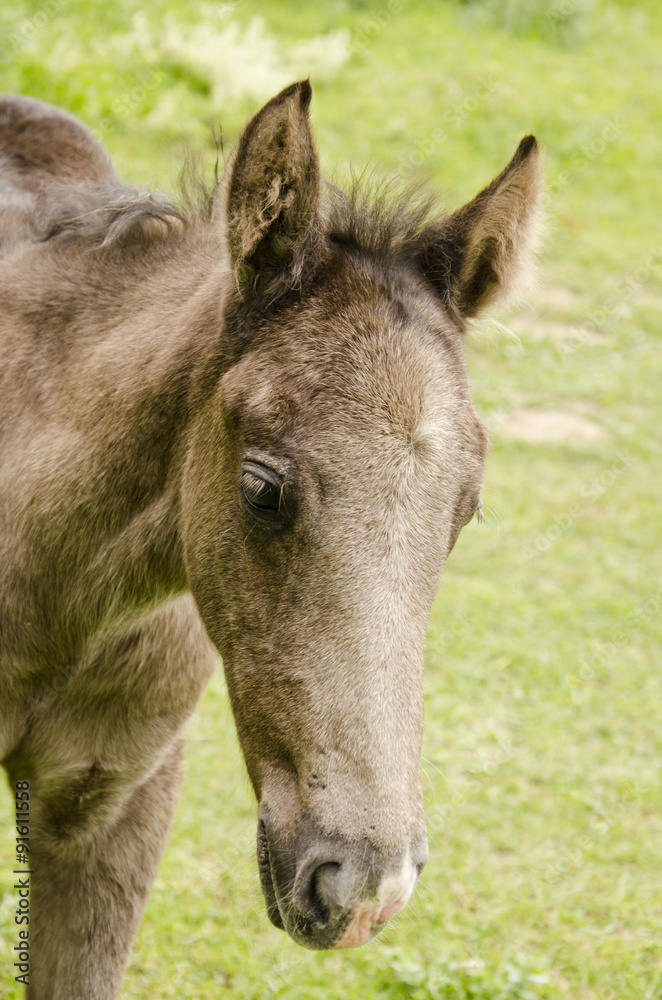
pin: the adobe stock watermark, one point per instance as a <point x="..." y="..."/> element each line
<point x="589" y="493"/>
<point x="605" y="652"/>
<point x="240" y="859"/>
<point x="29" y="27"/>
<point x="442" y="641"/>
<point x="625" y="291"/>
<point x="584" y="157"/>
<point x="564" y="10"/>
<point x="129" y="102"/>
<point x="451" y="120"/>
<point x="373" y="25"/>
<point x="571" y="858"/>
<point x="457" y="795"/>
<point x="22" y="884"/>
<point x="494" y="420"/>
<point x="620" y="986"/>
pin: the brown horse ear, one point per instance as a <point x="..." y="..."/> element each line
<point x="483" y="251"/>
<point x="273" y="192"/>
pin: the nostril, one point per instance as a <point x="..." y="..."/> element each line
<point x="327" y="879"/>
<point x="319" y="894"/>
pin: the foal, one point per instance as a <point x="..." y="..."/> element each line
<point x="244" y="430"/>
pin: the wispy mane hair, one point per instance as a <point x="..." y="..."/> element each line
<point x="380" y="218"/>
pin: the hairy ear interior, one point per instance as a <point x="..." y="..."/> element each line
<point x="272" y="195"/>
<point x="483" y="252"/>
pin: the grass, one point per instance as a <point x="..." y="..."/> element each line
<point x="543" y="739"/>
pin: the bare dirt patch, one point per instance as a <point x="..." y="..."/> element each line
<point x="556" y="297"/>
<point x="647" y="298"/>
<point x="554" y="426"/>
<point x="530" y="325"/>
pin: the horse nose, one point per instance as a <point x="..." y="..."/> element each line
<point x="352" y="900"/>
<point x="329" y="891"/>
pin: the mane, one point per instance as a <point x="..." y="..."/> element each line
<point x="378" y="218"/>
<point x="111" y="214"/>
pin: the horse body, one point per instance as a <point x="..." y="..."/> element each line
<point x="247" y="431"/>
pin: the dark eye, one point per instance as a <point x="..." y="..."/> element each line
<point x="262" y="490"/>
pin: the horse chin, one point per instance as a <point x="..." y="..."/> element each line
<point x="320" y="938"/>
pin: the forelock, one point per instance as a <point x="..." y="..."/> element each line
<point x="379" y="218"/>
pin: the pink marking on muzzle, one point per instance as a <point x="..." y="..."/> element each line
<point x="367" y="916"/>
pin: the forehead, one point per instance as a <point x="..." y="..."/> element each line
<point x="370" y="354"/>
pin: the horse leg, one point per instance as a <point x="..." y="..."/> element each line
<point x="87" y="899"/>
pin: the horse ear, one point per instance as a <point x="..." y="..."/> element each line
<point x="483" y="251"/>
<point x="273" y="193"/>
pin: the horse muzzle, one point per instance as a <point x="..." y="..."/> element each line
<point x="328" y="892"/>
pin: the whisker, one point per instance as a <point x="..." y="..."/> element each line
<point x="495" y="518"/>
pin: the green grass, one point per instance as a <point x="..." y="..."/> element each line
<point x="543" y="694"/>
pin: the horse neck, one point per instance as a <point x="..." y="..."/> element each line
<point x="135" y="387"/>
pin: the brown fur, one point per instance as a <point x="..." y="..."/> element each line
<point x="148" y="352"/>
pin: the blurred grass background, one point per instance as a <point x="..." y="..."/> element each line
<point x="543" y="738"/>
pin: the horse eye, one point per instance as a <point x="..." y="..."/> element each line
<point x="262" y="489"/>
